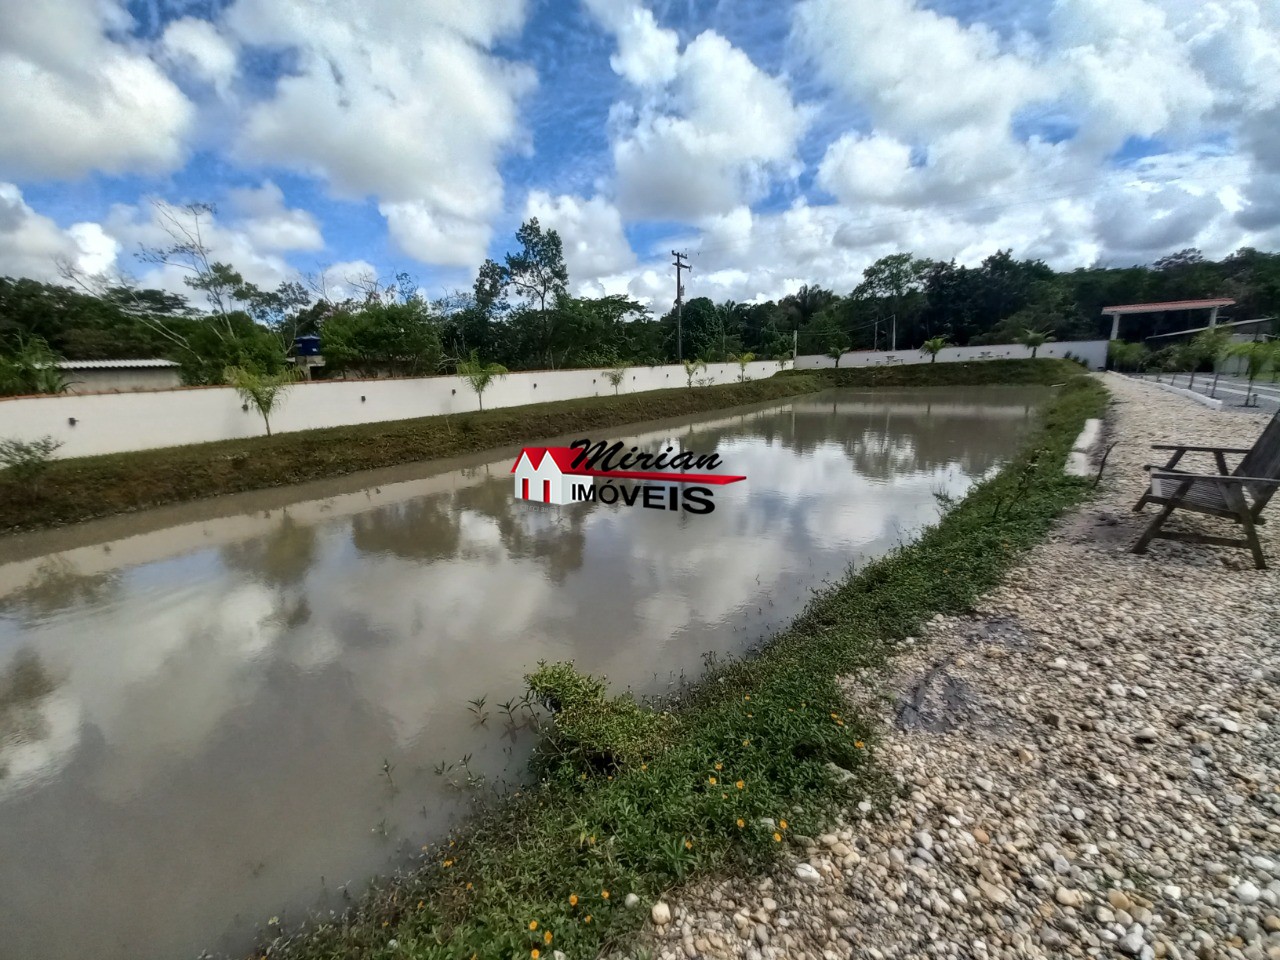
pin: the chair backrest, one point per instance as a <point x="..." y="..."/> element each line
<point x="1263" y="460"/>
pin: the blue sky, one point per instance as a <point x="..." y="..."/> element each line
<point x="781" y="143"/>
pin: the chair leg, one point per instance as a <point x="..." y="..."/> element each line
<point x="1251" y="536"/>
<point x="1152" y="529"/>
<point x="1137" y="507"/>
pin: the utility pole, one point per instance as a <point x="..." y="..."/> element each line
<point x="680" y="265"/>
<point x="894" y="342"/>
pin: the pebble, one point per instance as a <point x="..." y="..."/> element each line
<point x="1104" y="787"/>
<point x="660" y="913"/>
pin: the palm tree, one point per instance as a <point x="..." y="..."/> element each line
<point x="265" y="391"/>
<point x="1212" y="345"/>
<point x="1258" y="356"/>
<point x="480" y="375"/>
<point x="691" y="367"/>
<point x="616" y="376"/>
<point x="932" y="347"/>
<point x="835" y="353"/>
<point x="1035" y="339"/>
<point x="743" y="361"/>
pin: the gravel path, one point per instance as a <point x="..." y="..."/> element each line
<point x="1090" y="762"/>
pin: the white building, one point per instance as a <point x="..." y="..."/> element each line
<point x="542" y="475"/>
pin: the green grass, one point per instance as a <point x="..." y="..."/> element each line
<point x="969" y="373"/>
<point x="627" y="803"/>
<point x="79" y="489"/>
<point x="88" y="487"/>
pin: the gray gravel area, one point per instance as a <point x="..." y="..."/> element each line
<point x="1090" y="761"/>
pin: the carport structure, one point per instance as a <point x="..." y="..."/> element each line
<point x="1171" y="306"/>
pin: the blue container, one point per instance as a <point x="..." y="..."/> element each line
<point x="308" y="346"/>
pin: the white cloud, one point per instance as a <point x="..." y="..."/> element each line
<point x="647" y="54"/>
<point x="269" y="225"/>
<point x="196" y="45"/>
<point x="917" y="72"/>
<point x="254" y="242"/>
<point x="397" y="100"/>
<point x="591" y="231"/>
<point x="717" y="136"/>
<point x="72" y="100"/>
<point x="32" y="244"/>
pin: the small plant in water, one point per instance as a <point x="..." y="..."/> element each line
<point x="387" y="767"/>
<point x="477" y="709"/>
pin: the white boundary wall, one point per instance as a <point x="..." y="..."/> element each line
<point x="117" y="422"/>
<point x="1092" y="351"/>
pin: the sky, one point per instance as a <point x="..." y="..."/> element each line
<point x="778" y="143"/>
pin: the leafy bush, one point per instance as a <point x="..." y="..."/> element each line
<point x="600" y="732"/>
<point x="25" y="460"/>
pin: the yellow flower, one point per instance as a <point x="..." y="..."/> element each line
<point x="835" y="716"/>
<point x="777" y="837"/>
<point x="448" y="863"/>
<point x="591" y="840"/>
<point x="610" y="776"/>
<point x="839" y="723"/>
<point x="386" y="923"/>
<point x="421" y="904"/>
<point x="587" y="918"/>
<point x="740" y="785"/>
<point x="747" y="697"/>
<point x="546" y="938"/>
<point x="573" y="899"/>
<point x="719" y="766"/>
<point x="711" y="780"/>
<point x="782" y="824"/>
<point x="644" y="766"/>
<point x="583" y="777"/>
<point x="858" y="744"/>
<point x="534" y="953"/>
<point x="741" y="823"/>
<point x="746" y="743"/>
<point x="468" y="885"/>
<point x="604" y="894"/>
<point x="533" y="924"/>
<point x="750" y="714"/>
<point x="688" y="844"/>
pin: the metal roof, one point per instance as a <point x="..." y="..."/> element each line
<point x="1169" y="305"/>
<point x="113" y="364"/>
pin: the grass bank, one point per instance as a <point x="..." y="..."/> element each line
<point x="969" y="373"/>
<point x="89" y="487"/>
<point x="632" y="800"/>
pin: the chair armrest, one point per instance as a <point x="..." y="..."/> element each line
<point x="1175" y="476"/>
<point x="1188" y="449"/>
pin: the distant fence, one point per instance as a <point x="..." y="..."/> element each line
<point x="92" y="424"/>
<point x="1093" y="352"/>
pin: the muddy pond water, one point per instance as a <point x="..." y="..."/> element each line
<point x="220" y="712"/>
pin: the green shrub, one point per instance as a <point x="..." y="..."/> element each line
<point x="592" y="729"/>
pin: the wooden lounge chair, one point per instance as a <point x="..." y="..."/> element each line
<point x="1239" y="495"/>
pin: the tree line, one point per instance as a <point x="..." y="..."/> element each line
<point x="520" y="314"/>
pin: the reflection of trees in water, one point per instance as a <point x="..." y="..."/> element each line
<point x="884" y="444"/>
<point x="279" y="558"/>
<point x="420" y="529"/>
<point x="24" y="683"/>
<point x="551" y="534"/>
<point x="57" y="584"/>
<point x="429" y="528"/>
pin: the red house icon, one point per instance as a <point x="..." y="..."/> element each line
<point x="542" y="474"/>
